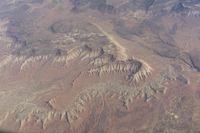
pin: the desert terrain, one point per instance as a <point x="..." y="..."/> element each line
<point x="100" y="66"/>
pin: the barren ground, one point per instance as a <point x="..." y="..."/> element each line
<point x="91" y="66"/>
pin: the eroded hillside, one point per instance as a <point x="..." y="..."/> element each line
<point x="99" y="66"/>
